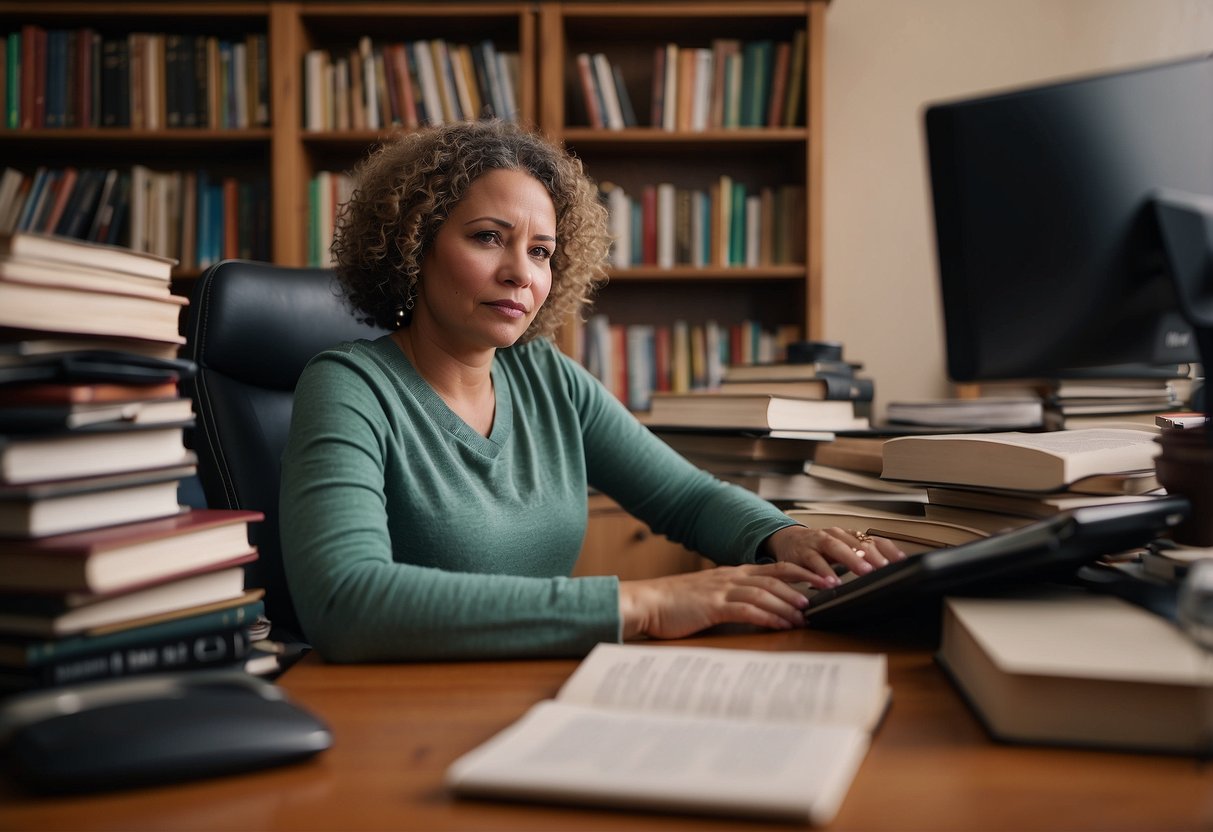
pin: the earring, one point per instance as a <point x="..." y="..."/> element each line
<point x="411" y="300"/>
<point x="399" y="317"/>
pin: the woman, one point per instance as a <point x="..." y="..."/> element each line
<point x="434" y="483"/>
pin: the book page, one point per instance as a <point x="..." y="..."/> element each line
<point x="836" y="688"/>
<point x="576" y="754"/>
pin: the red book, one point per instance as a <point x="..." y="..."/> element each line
<point x="119" y="559"/>
<point x="658" y="113"/>
<point x="661" y="358"/>
<point x="231" y="218"/>
<point x="779" y="84"/>
<point x="29" y="60"/>
<point x="52" y="393"/>
<point x="404" y="85"/>
<point x="648" y="206"/>
<point x="589" y="91"/>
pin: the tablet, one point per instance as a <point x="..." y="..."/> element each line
<point x="1049" y="549"/>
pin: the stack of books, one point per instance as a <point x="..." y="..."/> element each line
<point x="102" y="573"/>
<point x="995" y="481"/>
<point x="1120" y="396"/>
<point x="805" y="404"/>
<point x="785" y="396"/>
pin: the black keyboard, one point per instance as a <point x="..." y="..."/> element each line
<point x="1048" y="549"/>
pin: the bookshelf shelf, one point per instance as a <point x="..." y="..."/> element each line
<point x="658" y="140"/>
<point x="679" y="274"/>
<point x="176" y="135"/>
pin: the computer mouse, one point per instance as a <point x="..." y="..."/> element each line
<point x="153" y="729"/>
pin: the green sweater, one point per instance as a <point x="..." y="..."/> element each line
<point x="408" y="535"/>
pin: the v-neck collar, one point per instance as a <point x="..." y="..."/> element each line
<point x="441" y="413"/>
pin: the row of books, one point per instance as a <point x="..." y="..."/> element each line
<point x="102" y="573"/>
<point x="728" y="224"/>
<point x="327" y="192"/>
<point x="731" y="83"/>
<point x="1103" y="397"/>
<point x="144" y="80"/>
<point x="408" y="84"/>
<point x="194" y="217"/>
<point x="634" y="361"/>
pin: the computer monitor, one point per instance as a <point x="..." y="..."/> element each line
<point x="1074" y="222"/>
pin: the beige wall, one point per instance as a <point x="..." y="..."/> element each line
<point x="885" y="60"/>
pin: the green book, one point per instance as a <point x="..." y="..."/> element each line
<point x="756" y="82"/>
<point x="737" y="226"/>
<point x="13" y="76"/>
<point x="33" y="652"/>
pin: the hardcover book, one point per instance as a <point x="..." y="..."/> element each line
<point x="25" y="614"/>
<point x="120" y="558"/>
<point x="1031" y="666"/>
<point x="1025" y="461"/>
<point x="753" y="411"/>
<point x="61" y="506"/>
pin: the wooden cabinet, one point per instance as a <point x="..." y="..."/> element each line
<point x="619" y="544"/>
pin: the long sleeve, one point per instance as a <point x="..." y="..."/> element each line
<point x="407" y="535"/>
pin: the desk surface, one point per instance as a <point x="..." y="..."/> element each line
<point x="397" y="727"/>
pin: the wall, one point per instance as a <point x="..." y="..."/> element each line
<point x="885" y="60"/>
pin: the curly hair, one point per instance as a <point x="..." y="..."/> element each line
<point x="405" y="190"/>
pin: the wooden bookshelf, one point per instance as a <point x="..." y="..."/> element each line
<point x="546" y="35"/>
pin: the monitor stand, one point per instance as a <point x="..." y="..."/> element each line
<point x="1185" y="222"/>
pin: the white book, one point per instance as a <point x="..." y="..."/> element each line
<point x="694" y="729"/>
<point x="429" y="82"/>
<point x="1022" y="461"/>
<point x="669" y="106"/>
<point x="459" y="71"/>
<point x="619" y="212"/>
<point x="666" y="196"/>
<point x="313" y="84"/>
<point x="446" y="80"/>
<point x="207" y="588"/>
<point x="610" y="97"/>
<point x="1067" y="667"/>
<point x="511" y="73"/>
<point x="701" y="103"/>
<point x="370" y="89"/>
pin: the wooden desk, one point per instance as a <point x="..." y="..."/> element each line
<point x="397" y="727"/>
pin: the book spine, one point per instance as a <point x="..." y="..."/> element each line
<point x="209" y="650"/>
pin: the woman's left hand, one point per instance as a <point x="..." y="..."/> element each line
<point x="817" y="549"/>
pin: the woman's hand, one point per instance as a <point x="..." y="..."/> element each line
<point x="679" y="605"/>
<point x="816" y="549"/>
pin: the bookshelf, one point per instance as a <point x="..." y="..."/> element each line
<point x="546" y="36"/>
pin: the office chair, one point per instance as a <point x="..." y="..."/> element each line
<point x="252" y="329"/>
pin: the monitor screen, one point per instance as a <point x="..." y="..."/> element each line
<point x="1049" y="251"/>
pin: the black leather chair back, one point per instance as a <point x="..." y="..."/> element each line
<point x="252" y="329"/>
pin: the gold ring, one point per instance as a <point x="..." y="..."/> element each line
<point x="862" y="537"/>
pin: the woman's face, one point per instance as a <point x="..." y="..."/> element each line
<point x="489" y="269"/>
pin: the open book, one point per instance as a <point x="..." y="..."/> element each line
<point x="716" y="731"/>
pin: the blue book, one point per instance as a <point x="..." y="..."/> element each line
<point x="36" y="652"/>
